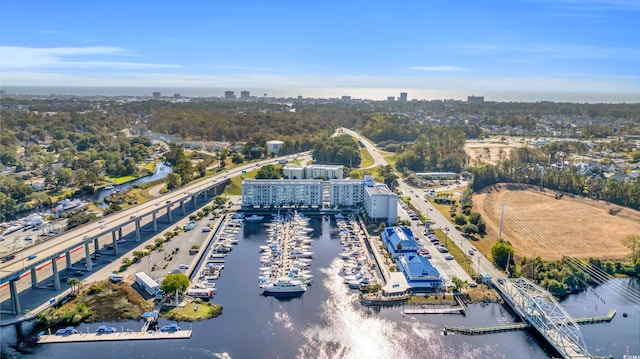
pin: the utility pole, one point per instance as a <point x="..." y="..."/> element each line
<point x="501" y="218"/>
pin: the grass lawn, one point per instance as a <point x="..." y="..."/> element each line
<point x="367" y="160"/>
<point x="188" y="313"/>
<point x="391" y="159"/>
<point x="120" y="180"/>
<point x="234" y="188"/>
<point x="151" y="166"/>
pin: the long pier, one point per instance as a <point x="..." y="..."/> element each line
<point x="520" y="326"/>
<point x="102" y="337"/>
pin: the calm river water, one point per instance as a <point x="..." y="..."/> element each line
<point x="327" y="322"/>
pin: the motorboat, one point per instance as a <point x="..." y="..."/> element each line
<point x="254" y="218"/>
<point x="285" y="287"/>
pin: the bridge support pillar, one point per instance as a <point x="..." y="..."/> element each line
<point x="34" y="278"/>
<point x="155" y="222"/>
<point x="114" y="240"/>
<point x="184" y="208"/>
<point x="169" y="214"/>
<point x="96" y="245"/>
<point x="87" y="256"/>
<point x="67" y="257"/>
<point x="137" y="230"/>
<point x="195" y="200"/>
<point x="15" y="300"/>
<point x="56" y="275"/>
<point x="120" y="233"/>
<point x="205" y="192"/>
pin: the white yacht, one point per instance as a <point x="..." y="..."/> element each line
<point x="285" y="287"/>
<point x="254" y="218"/>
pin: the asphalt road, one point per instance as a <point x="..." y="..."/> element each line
<point x="450" y="268"/>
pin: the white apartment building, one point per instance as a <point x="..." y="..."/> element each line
<point x="330" y="172"/>
<point x="346" y="192"/>
<point x="376" y="198"/>
<point x="380" y="203"/>
<point x="281" y="193"/>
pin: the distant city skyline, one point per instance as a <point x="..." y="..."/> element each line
<point x="586" y="50"/>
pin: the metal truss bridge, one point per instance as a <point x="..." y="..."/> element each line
<point x="538" y="307"/>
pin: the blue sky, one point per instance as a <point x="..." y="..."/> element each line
<point x="471" y="46"/>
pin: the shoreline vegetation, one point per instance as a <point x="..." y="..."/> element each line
<point x="105" y="301"/>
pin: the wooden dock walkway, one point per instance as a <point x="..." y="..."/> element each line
<point x="95" y="337"/>
<point x="434" y="309"/>
<point x="520" y="326"/>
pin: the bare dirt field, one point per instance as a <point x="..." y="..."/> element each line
<point x="537" y="224"/>
<point x="489" y="151"/>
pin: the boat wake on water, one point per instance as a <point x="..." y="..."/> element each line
<point x="347" y="331"/>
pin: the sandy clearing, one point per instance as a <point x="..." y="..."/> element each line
<point x="538" y="224"/>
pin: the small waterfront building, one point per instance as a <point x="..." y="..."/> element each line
<point x="399" y="240"/>
<point x="147" y="283"/>
<point x="421" y="275"/>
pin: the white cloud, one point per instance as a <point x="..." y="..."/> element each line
<point x="443" y="68"/>
<point x="440" y="82"/>
<point x="30" y="58"/>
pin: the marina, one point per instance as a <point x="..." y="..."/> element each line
<point x="327" y="321"/>
<point x="286" y="257"/>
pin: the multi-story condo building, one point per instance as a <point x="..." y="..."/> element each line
<point x="376" y="198"/>
<point x="346" y="192"/>
<point x="277" y="193"/>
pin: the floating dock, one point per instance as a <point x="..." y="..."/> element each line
<point x="109" y="337"/>
<point x="520" y="326"/>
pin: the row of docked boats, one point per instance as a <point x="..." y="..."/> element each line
<point x="286" y="256"/>
<point x="205" y="285"/>
<point x="356" y="269"/>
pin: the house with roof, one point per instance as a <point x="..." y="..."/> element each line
<point x="421" y="275"/>
<point x="399" y="240"/>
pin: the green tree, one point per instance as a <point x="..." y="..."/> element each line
<point x="501" y="252"/>
<point x="268" y="172"/>
<point x="75" y="284"/>
<point x="173" y="181"/>
<point x="470" y="228"/>
<point x="460" y="220"/>
<point x="175" y="284"/>
<point x="137" y="255"/>
<point x="633" y="243"/>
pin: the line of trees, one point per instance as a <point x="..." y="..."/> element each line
<point x="522" y="168"/>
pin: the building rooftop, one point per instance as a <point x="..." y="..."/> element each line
<point x="378" y="188"/>
<point x="282" y="181"/>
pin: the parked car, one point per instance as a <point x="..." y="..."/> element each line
<point x="66" y="331"/>
<point x="473" y="284"/>
<point x="471" y="252"/>
<point x="448" y="257"/>
<point x="170" y="328"/>
<point x="106" y="330"/>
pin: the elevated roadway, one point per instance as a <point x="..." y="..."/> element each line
<point x="112" y="228"/>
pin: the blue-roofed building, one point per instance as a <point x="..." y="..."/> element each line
<point x="420" y="274"/>
<point x="399" y="240"/>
